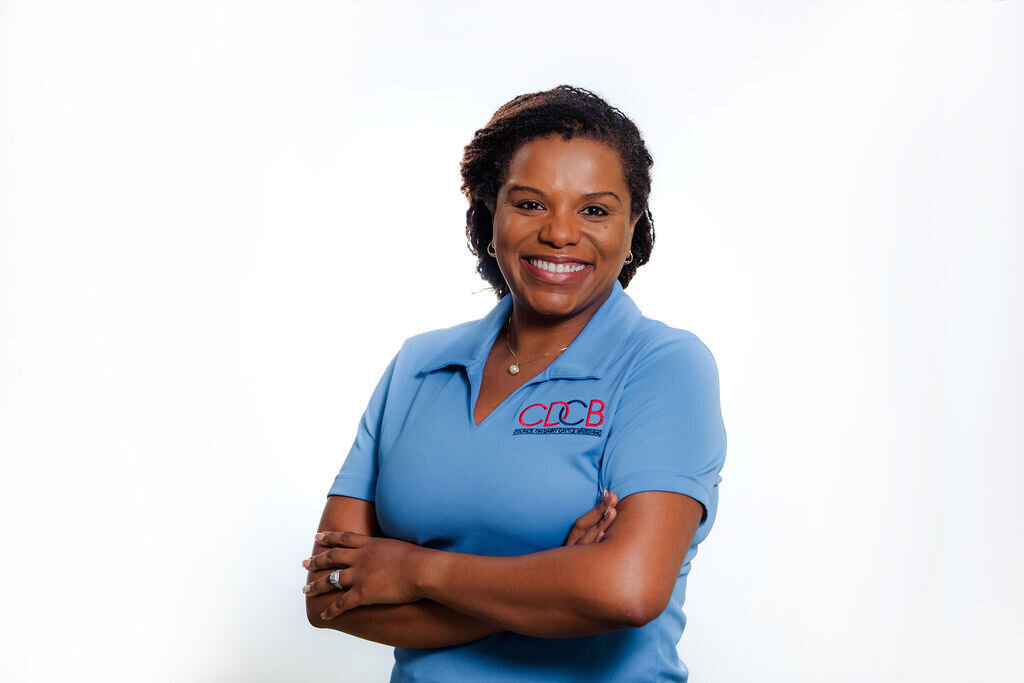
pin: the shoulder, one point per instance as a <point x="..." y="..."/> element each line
<point x="427" y="350"/>
<point x="427" y="343"/>
<point x="654" y="347"/>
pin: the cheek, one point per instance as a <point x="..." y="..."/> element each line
<point x="611" y="240"/>
<point x="510" y="230"/>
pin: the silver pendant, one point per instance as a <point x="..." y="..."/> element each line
<point x="513" y="369"/>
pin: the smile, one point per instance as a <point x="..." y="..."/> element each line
<point x="557" y="267"/>
<point x="557" y="271"/>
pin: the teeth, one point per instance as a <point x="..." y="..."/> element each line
<point x="557" y="267"/>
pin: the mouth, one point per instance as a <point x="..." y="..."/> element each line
<point x="557" y="270"/>
<point x="557" y="266"/>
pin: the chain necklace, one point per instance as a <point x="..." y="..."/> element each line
<point x="514" y="368"/>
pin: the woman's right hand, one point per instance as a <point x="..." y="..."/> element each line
<point x="591" y="526"/>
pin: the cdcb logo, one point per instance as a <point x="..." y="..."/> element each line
<point x="589" y="414"/>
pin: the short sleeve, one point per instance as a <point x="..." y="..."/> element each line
<point x="667" y="432"/>
<point x="358" y="474"/>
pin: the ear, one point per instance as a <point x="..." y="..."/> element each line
<point x="632" y="226"/>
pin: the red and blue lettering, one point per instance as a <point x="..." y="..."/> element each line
<point x="557" y="413"/>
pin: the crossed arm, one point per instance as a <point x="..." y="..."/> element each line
<point x="404" y="595"/>
<point x="420" y="624"/>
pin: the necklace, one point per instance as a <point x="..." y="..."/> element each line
<point x="514" y="368"/>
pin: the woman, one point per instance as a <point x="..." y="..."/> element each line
<point x="444" y="533"/>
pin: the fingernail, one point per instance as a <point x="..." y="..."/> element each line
<point x="305" y="563"/>
<point x="305" y="589"/>
<point x="319" y="537"/>
<point x="600" y="535"/>
<point x="323" y="615"/>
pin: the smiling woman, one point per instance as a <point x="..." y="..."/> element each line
<point x="561" y="231"/>
<point x="453" y="529"/>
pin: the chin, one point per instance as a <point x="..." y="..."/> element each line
<point x="552" y="304"/>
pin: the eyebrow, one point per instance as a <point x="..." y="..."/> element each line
<point x="589" y="195"/>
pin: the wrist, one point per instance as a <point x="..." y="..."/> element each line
<point x="428" y="566"/>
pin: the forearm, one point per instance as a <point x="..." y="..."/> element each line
<point x="421" y="624"/>
<point x="417" y="625"/>
<point x="564" y="592"/>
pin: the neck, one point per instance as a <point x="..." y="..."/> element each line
<point x="530" y="333"/>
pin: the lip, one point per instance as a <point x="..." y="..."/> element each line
<point x="555" y="278"/>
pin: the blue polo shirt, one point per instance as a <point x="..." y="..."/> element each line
<point x="632" y="404"/>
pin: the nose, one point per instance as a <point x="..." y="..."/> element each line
<point x="561" y="229"/>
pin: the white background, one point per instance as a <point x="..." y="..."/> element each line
<point x="220" y="220"/>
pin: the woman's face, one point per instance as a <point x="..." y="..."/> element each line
<point x="562" y="227"/>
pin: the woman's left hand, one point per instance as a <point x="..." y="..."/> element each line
<point x="370" y="570"/>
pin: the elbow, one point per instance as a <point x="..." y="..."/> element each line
<point x="642" y="614"/>
<point x="640" y="607"/>
<point x="628" y="598"/>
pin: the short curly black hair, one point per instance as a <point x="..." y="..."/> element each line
<point x="571" y="112"/>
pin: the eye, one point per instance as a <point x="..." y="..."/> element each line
<point x="595" y="211"/>
<point x="529" y="205"/>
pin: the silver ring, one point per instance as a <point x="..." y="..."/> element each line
<point x="333" y="578"/>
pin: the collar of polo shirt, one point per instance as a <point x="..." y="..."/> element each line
<point x="588" y="356"/>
